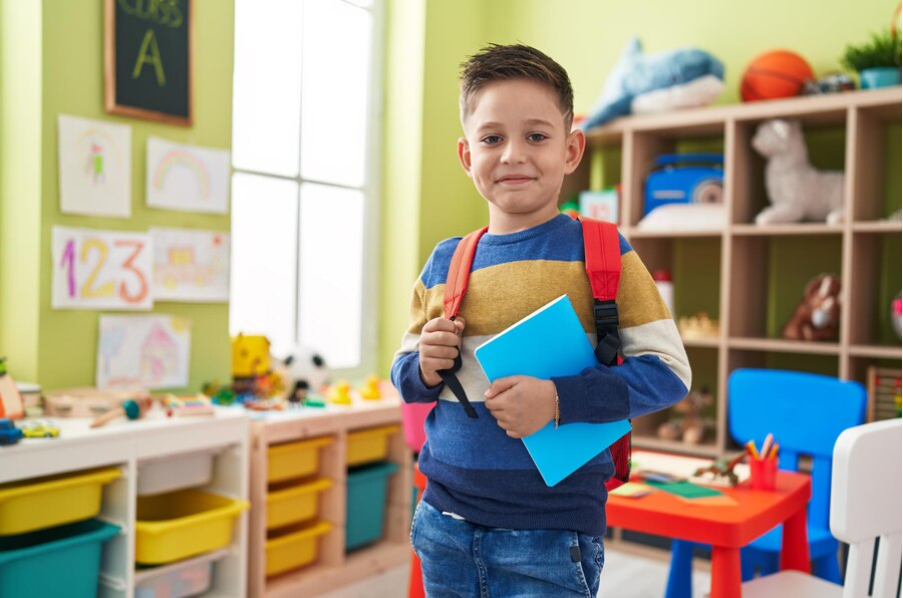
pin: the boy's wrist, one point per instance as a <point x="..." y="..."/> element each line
<point x="429" y="381"/>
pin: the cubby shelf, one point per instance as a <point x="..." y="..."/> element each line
<point x="750" y="277"/>
<point x="333" y="566"/>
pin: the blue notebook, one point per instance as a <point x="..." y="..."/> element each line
<point x="551" y="342"/>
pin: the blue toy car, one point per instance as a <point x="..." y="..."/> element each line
<point x="685" y="179"/>
<point x="9" y="433"/>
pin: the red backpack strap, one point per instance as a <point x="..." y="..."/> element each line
<point x="459" y="272"/>
<point x="455" y="287"/>
<point x="602" y="249"/>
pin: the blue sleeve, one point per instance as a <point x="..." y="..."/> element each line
<point x="406" y="378"/>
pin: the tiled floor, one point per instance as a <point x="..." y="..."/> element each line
<point x="624" y="576"/>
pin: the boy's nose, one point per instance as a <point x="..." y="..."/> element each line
<point x="514" y="153"/>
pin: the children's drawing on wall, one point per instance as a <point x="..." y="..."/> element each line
<point x="148" y="351"/>
<point x="95" y="167"/>
<point x="187" y="177"/>
<point x="101" y="269"/>
<point x="190" y="265"/>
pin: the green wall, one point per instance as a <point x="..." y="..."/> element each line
<point x="20" y="182"/>
<point x="68" y="62"/>
<point x="586" y="37"/>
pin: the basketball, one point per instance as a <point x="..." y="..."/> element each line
<point x="776" y="74"/>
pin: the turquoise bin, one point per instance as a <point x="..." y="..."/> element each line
<point x="59" y="561"/>
<point x="367" y="488"/>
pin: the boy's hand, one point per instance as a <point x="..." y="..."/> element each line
<point x="440" y="341"/>
<point x="522" y="404"/>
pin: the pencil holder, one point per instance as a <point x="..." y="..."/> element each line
<point x="762" y="473"/>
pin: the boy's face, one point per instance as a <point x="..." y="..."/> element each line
<point x="516" y="148"/>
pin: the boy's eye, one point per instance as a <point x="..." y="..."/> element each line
<point x="491" y="139"/>
<point x="536" y="137"/>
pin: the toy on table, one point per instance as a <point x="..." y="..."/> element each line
<point x="9" y="433"/>
<point x="675" y="79"/>
<point x="370" y="390"/>
<point x="723" y="468"/>
<point x="11" y="404"/>
<point x="817" y="316"/>
<point x="250" y="361"/>
<point x="306" y="372"/>
<point x="187" y="405"/>
<point x="39" y="428"/>
<point x="339" y="393"/>
<point x="132" y="409"/>
<point x="797" y="191"/>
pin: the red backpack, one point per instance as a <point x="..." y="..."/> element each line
<point x="602" y="247"/>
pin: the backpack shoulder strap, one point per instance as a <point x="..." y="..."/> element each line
<point x="455" y="287"/>
<point x="602" y="249"/>
<point x="459" y="272"/>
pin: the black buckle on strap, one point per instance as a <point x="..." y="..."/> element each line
<point x="605" y="314"/>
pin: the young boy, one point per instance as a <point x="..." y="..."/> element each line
<point x="488" y="525"/>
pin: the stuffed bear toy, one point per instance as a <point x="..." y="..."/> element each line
<point x="817" y="316"/>
<point x="797" y="191"/>
<point x="687" y="424"/>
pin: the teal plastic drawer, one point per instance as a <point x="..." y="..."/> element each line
<point x="59" y="561"/>
<point x="367" y="488"/>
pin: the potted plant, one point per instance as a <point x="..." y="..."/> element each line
<point x="877" y="61"/>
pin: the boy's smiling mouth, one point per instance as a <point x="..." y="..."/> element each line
<point x="515" y="179"/>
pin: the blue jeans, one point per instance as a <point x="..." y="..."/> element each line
<point x="463" y="560"/>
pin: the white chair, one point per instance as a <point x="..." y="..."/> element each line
<point x="866" y="504"/>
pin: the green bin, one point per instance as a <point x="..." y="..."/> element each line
<point x="58" y="561"/>
<point x="366" y="509"/>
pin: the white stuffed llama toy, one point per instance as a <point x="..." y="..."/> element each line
<point x="797" y="191"/>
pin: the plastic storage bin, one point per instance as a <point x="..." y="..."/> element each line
<point x="296" y="459"/>
<point x="40" y="503"/>
<point x="367" y="446"/>
<point x="295" y="547"/>
<point x="295" y="504"/>
<point x="174" y="473"/>
<point x="61" y="561"/>
<point x="367" y="487"/>
<point x="181" y="524"/>
<point x="177" y="581"/>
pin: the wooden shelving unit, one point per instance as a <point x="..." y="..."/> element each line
<point x="333" y="567"/>
<point x="740" y="264"/>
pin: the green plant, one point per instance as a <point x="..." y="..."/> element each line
<point x="882" y="50"/>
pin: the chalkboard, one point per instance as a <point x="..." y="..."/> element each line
<point x="148" y="59"/>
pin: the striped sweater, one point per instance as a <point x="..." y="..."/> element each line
<point x="474" y="469"/>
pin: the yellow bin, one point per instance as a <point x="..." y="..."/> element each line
<point x="296" y="459"/>
<point x="181" y="524"/>
<point x="366" y="446"/>
<point x="294" y="504"/>
<point x="47" y="502"/>
<point x="295" y="548"/>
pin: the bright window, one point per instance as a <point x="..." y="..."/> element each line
<point x="304" y="202"/>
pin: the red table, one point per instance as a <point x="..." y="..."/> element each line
<point x="726" y="528"/>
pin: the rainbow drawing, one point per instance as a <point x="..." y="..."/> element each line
<point x="184" y="158"/>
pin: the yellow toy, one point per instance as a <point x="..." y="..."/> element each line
<point x="370" y="390"/>
<point x="250" y="356"/>
<point x="339" y="395"/>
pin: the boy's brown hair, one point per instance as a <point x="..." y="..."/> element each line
<point x="517" y="61"/>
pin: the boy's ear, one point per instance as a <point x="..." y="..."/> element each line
<point x="576" y="146"/>
<point x="464" y="154"/>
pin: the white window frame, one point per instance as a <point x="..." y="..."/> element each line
<point x="371" y="190"/>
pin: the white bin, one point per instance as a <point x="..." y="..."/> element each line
<point x="189" y="579"/>
<point x="175" y="472"/>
